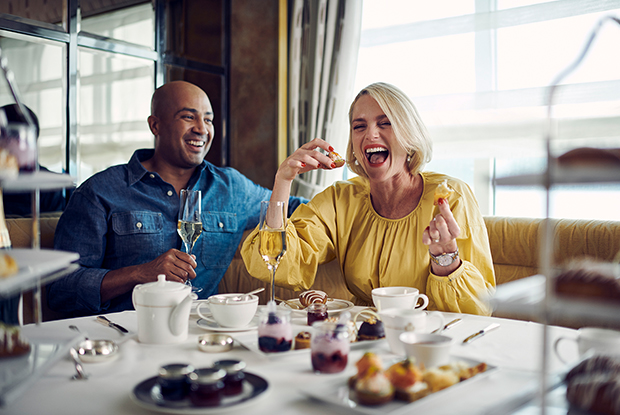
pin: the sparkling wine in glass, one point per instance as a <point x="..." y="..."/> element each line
<point x="272" y="241"/>
<point x="189" y="225"/>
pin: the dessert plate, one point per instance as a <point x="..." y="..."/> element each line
<point x="334" y="306"/>
<point x="212" y="325"/>
<point x="338" y="393"/>
<point x="146" y="395"/>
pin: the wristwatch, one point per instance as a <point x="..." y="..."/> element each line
<point x="444" y="259"/>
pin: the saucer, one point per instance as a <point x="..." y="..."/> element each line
<point x="212" y="325"/>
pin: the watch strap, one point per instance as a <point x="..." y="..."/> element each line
<point x="445" y="259"/>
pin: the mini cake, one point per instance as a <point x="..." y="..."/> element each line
<point x="336" y="158"/>
<point x="371" y="329"/>
<point x="312" y="296"/>
<point x="443" y="191"/>
<point x="408" y="381"/>
<point x="588" y="279"/>
<point x="374" y="388"/>
<point x="302" y="340"/>
<point x="350" y="328"/>
<point x="12" y="343"/>
<point x="594" y="385"/>
<point x="438" y="379"/>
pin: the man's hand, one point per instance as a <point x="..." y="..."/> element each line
<point x="176" y="265"/>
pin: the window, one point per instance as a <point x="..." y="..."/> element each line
<point x="478" y="72"/>
<point x="90" y="92"/>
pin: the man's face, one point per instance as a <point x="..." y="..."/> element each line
<point x="184" y="127"/>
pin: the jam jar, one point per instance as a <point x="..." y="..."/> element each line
<point x="316" y="312"/>
<point x="233" y="382"/>
<point x="173" y="381"/>
<point x="206" y="386"/>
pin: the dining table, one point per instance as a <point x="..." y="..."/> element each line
<point x="514" y="354"/>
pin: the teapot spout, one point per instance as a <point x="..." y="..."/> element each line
<point x="181" y="313"/>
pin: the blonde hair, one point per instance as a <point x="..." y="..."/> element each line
<point x="408" y="127"/>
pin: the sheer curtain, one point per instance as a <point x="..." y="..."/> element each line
<point x="324" y="43"/>
<point x="478" y="72"/>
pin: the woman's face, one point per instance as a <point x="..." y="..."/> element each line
<point x="374" y="143"/>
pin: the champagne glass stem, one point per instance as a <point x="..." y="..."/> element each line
<point x="273" y="282"/>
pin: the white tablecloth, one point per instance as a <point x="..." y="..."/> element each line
<point x="515" y="348"/>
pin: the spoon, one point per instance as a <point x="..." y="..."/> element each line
<point x="256" y="291"/>
<point x="290" y="304"/>
<point x="81" y="374"/>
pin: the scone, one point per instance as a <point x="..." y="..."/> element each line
<point x="438" y="379"/>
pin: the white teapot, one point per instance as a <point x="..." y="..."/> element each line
<point x="163" y="310"/>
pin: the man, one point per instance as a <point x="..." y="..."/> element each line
<point x="123" y="221"/>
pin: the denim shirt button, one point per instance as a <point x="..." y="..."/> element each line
<point x="152" y="176"/>
<point x="221" y="225"/>
<point x="139" y="225"/>
<point x="169" y="192"/>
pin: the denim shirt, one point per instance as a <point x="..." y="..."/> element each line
<point x="126" y="216"/>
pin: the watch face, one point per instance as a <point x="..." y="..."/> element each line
<point x="445" y="260"/>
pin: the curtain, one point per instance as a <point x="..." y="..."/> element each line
<point x="323" y="46"/>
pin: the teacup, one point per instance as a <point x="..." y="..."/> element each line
<point x="397" y="321"/>
<point x="398" y="297"/>
<point x="230" y="310"/>
<point x="592" y="339"/>
<point x="430" y="350"/>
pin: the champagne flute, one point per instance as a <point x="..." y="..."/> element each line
<point x="272" y="231"/>
<point x="189" y="225"/>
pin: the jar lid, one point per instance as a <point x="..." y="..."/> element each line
<point x="175" y="370"/>
<point x="207" y="375"/>
<point x="230" y="366"/>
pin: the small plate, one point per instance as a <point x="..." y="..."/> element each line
<point x="145" y="395"/>
<point x="338" y="393"/>
<point x="212" y="325"/>
<point x="334" y="306"/>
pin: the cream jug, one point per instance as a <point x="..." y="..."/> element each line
<point x="163" y="310"/>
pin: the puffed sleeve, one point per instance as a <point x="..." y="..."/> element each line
<point x="308" y="244"/>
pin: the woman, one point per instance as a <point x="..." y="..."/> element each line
<point x="383" y="226"/>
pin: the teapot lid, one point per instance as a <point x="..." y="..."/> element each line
<point x="161" y="285"/>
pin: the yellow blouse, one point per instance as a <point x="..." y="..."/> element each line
<point x="373" y="251"/>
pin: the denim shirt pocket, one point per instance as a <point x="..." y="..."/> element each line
<point x="135" y="233"/>
<point x="219" y="241"/>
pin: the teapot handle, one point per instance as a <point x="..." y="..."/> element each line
<point x="180" y="312"/>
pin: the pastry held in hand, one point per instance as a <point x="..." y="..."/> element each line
<point x="336" y="158"/>
<point x="8" y="265"/>
<point x="443" y="191"/>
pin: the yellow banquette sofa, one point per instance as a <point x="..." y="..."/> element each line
<point x="515" y="247"/>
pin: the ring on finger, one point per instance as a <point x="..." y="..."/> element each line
<point x="436" y="240"/>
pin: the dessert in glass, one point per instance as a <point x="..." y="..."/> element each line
<point x="275" y="333"/>
<point x="330" y="346"/>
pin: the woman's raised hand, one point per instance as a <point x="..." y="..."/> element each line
<point x="305" y="159"/>
<point x="440" y="235"/>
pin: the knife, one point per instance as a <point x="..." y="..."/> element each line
<point x="448" y="325"/>
<point x="481" y="332"/>
<point x="103" y="320"/>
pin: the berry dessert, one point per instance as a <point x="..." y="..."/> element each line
<point x="275" y="333"/>
<point x="330" y="347"/>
